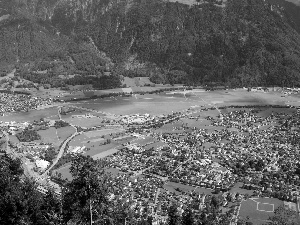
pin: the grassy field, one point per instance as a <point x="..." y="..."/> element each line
<point x="237" y="189"/>
<point x="64" y="132"/>
<point x="103" y="154"/>
<point x="124" y="139"/>
<point x="101" y="149"/>
<point x="171" y="186"/>
<point x="14" y="139"/>
<point x="259" y="209"/>
<point x="200" y="124"/>
<point x="65" y="171"/>
<point x="85" y="122"/>
<point x="99" y="133"/>
<point x="94" y="141"/>
<point x="143" y="141"/>
<point x="50" y="136"/>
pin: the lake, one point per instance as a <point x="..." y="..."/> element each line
<point x="163" y="103"/>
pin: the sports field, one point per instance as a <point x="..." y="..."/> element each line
<point x="259" y="209"/>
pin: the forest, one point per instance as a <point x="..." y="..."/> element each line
<point x="240" y="43"/>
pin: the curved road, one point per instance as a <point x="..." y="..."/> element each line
<point x="61" y="151"/>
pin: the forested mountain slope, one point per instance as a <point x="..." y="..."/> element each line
<point x="239" y="42"/>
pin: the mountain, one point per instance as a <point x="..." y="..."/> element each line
<point x="296" y="2"/>
<point x="238" y="42"/>
<point x="291" y="10"/>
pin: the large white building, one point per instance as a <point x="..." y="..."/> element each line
<point x="42" y="164"/>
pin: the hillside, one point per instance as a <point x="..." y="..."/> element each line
<point x="291" y="10"/>
<point x="237" y="42"/>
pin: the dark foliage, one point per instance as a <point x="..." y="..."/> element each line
<point x="20" y="203"/>
<point x="28" y="135"/>
<point x="60" y="123"/>
<point x="244" y="43"/>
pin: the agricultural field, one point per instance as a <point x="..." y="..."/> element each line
<point x="99" y="149"/>
<point x="85" y="122"/>
<point x="143" y="141"/>
<point x="64" y="171"/>
<point x="123" y="139"/>
<point x="96" y="141"/>
<point x="14" y="139"/>
<point x="50" y="136"/>
<point x="103" y="152"/>
<point x="174" y="187"/>
<point x="64" y="132"/>
<point x="45" y="93"/>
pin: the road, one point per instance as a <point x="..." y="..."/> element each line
<point x="61" y="152"/>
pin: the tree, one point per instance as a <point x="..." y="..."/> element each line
<point x="51" y="208"/>
<point x="188" y="217"/>
<point x="28" y="135"/>
<point x="86" y="198"/>
<point x="173" y="216"/>
<point x="20" y="203"/>
<point x="284" y="216"/>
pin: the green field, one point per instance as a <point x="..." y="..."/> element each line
<point x="64" y="132"/>
<point x="259" y="209"/>
<point x="85" y="122"/>
<point x="171" y="186"/>
<point x="50" y="136"/>
<point x="103" y="148"/>
<point x="94" y="141"/>
<point x="143" y="141"/>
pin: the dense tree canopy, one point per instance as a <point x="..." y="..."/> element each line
<point x="240" y="42"/>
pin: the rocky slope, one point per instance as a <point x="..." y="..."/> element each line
<point x="239" y="42"/>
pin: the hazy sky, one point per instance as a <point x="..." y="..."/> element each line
<point x="295" y="1"/>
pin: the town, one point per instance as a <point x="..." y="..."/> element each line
<point x="226" y="155"/>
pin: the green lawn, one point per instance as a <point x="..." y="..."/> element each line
<point x="50" y="136"/>
<point x="259" y="209"/>
<point x="65" y="132"/>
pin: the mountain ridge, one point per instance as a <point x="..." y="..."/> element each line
<point x="243" y="43"/>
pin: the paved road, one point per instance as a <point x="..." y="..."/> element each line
<point x="61" y="152"/>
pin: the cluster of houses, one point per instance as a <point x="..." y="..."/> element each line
<point x="259" y="151"/>
<point x="20" y="102"/>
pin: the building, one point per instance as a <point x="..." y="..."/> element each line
<point x="42" y="164"/>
